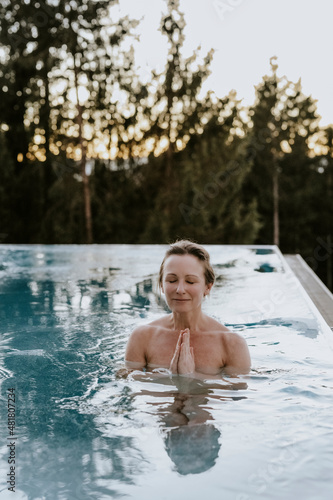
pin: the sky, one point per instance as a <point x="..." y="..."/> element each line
<point x="245" y="35"/>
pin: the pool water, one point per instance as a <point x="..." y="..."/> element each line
<point x="82" y="433"/>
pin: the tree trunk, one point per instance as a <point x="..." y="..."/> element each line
<point x="47" y="173"/>
<point x="86" y="197"/>
<point x="169" y="162"/>
<point x="276" y="222"/>
<point x="85" y="178"/>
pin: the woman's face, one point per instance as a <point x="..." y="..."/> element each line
<point x="184" y="283"/>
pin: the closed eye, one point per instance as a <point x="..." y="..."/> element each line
<point x="189" y="282"/>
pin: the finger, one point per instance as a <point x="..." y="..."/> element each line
<point x="174" y="360"/>
<point x="179" y="341"/>
<point x="177" y="351"/>
<point x="185" y="350"/>
<point x="186" y="338"/>
<point x="182" y="333"/>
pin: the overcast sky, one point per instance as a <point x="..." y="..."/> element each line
<point x="245" y="35"/>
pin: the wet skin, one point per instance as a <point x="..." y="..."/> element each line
<point x="187" y="341"/>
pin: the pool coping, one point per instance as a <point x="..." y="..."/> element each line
<point x="314" y="287"/>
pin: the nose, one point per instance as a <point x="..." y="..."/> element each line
<point x="181" y="287"/>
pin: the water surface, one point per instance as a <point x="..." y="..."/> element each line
<point x="82" y="433"/>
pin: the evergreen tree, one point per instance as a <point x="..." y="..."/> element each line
<point x="320" y="252"/>
<point x="6" y="190"/>
<point x="95" y="65"/>
<point x="53" y="51"/>
<point x="214" y="185"/>
<point x="209" y="175"/>
<point x="283" y="120"/>
<point x="17" y="70"/>
<point x="28" y="32"/>
<point x="174" y="113"/>
<point x="117" y="203"/>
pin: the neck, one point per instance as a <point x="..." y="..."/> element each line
<point x="192" y="320"/>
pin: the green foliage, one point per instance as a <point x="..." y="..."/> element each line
<point x="173" y="109"/>
<point x="283" y="121"/>
<point x="118" y="207"/>
<point x="183" y="165"/>
<point x="205" y="199"/>
<point x="6" y="189"/>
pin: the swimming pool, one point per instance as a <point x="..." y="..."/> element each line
<point x="81" y="433"/>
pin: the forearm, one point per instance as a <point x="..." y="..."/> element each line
<point x="137" y="371"/>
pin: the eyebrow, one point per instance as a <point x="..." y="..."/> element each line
<point x="187" y="275"/>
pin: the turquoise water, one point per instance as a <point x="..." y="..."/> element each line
<point x="82" y="433"/>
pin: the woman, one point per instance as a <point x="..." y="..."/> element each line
<point x="187" y="341"/>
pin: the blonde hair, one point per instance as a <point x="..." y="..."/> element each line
<point x="187" y="247"/>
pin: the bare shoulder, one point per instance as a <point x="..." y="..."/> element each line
<point x="138" y="342"/>
<point x="238" y="358"/>
<point x="162" y="322"/>
<point x="215" y="326"/>
<point x="135" y="355"/>
<point x="145" y="331"/>
<point x="140" y="331"/>
<point x="233" y="340"/>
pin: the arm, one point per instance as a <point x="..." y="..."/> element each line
<point x="238" y="360"/>
<point x="136" y="358"/>
<point x="135" y="355"/>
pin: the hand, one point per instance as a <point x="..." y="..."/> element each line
<point x="183" y="358"/>
<point x="174" y="362"/>
<point x="186" y="362"/>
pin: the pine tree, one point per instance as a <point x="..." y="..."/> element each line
<point x="54" y="52"/>
<point x="6" y="190"/>
<point x="283" y="121"/>
<point x="97" y="64"/>
<point x="320" y="253"/>
<point x="18" y="70"/>
<point x="209" y="175"/>
<point x="214" y="173"/>
<point x="174" y="112"/>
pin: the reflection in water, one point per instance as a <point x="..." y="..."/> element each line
<point x="191" y="439"/>
<point x="193" y="449"/>
<point x="191" y="443"/>
<point x="63" y="333"/>
<point x="61" y="337"/>
<point x="65" y="317"/>
<point x="308" y="328"/>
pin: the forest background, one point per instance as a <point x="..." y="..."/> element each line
<point x="92" y="152"/>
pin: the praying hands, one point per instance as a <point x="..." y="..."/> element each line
<point x="183" y="359"/>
